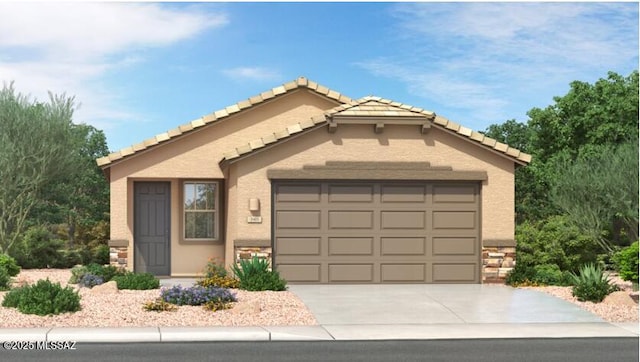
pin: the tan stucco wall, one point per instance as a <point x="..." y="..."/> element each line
<point x="196" y="156"/>
<point x="360" y="143"/>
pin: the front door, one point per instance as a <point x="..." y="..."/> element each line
<point x="151" y="228"/>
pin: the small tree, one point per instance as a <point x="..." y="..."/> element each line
<point x="600" y="190"/>
<point x="36" y="144"/>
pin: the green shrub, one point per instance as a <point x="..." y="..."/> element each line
<point x="626" y="262"/>
<point x="554" y="241"/>
<point x="521" y="275"/>
<point x="550" y="274"/>
<point x="219" y="281"/>
<point x="43" y="298"/>
<point x="159" y="305"/>
<point x="255" y="275"/>
<point x="5" y="278"/>
<point x="77" y="272"/>
<point x="67" y="259"/>
<point x="214" y="268"/>
<point x="107" y="272"/>
<point x="9" y="264"/>
<point x="101" y="254"/>
<point x="137" y="281"/>
<point x="38" y="248"/>
<point x="592" y="284"/>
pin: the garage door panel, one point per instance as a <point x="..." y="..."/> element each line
<point x="350" y="246"/>
<point x="403" y="219"/>
<point x="402" y="246"/>
<point x="300" y="272"/>
<point x="403" y="273"/>
<point x="378" y="232"/>
<point x="351" y="273"/>
<point x="455" y="273"/>
<point x="454" y="194"/>
<point x="403" y="193"/>
<point x="350" y="193"/>
<point x="350" y="219"/>
<point x="298" y="219"/>
<point x="298" y="193"/>
<point x="454" y="246"/>
<point x="298" y="246"/>
<point x="454" y="219"/>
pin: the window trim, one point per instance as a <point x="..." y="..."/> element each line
<point x="216" y="211"/>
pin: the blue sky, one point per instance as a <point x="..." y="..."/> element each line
<point x="140" y="69"/>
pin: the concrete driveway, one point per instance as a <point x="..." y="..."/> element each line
<point x="436" y="304"/>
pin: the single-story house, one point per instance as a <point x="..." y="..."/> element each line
<point x="329" y="188"/>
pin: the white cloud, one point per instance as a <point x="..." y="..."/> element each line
<point x="471" y="55"/>
<point x="252" y="73"/>
<point x="70" y="47"/>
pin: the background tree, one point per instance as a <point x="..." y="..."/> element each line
<point x="35" y="143"/>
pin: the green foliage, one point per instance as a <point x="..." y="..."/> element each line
<point x="521" y="275"/>
<point x="599" y="190"/>
<point x="159" y="305"/>
<point x="550" y="274"/>
<point x="592" y="284"/>
<point x="626" y="262"/>
<point x="43" y="298"/>
<point x="255" y="275"/>
<point x="106" y="272"/>
<point x="554" y="241"/>
<point x="219" y="281"/>
<point x="36" y="147"/>
<point x="137" y="281"/>
<point x="214" y="268"/>
<point x="9" y="264"/>
<point x="5" y="278"/>
<point x="37" y="249"/>
<point x="603" y="113"/>
<point x="77" y="272"/>
<point x="101" y="254"/>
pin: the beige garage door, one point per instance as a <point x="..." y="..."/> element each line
<point x="377" y="232"/>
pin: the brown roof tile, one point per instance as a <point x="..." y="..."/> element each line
<point x="224" y="113"/>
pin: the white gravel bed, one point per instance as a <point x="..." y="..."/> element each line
<point x="124" y="309"/>
<point x="617" y="307"/>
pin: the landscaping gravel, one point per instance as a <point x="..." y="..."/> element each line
<point x="124" y="309"/>
<point x="617" y="307"/>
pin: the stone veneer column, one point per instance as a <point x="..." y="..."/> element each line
<point x="119" y="253"/>
<point x="248" y="249"/>
<point x="498" y="259"/>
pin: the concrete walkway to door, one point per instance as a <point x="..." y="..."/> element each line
<point x="448" y="311"/>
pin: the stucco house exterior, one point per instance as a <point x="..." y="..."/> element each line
<point x="331" y="189"/>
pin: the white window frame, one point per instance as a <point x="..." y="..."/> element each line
<point x="215" y="211"/>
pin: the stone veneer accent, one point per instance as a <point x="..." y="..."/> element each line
<point x="119" y="253"/>
<point x="498" y="259"/>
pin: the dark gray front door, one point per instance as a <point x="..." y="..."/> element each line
<point x="151" y="227"/>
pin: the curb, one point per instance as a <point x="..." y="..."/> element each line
<point x="319" y="333"/>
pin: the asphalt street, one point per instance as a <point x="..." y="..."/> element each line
<point x="477" y="350"/>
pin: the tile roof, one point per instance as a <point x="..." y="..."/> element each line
<point x="301" y="82"/>
<point x="377" y="107"/>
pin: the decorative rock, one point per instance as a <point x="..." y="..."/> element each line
<point x="106" y="288"/>
<point x="620" y="298"/>
<point x="246" y="308"/>
<point x="508" y="263"/>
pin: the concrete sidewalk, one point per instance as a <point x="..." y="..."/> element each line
<point x="321" y="332"/>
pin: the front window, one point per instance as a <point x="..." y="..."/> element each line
<point x="200" y="210"/>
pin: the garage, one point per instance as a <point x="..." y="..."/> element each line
<point x="348" y="231"/>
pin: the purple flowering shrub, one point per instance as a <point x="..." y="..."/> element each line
<point x="196" y="295"/>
